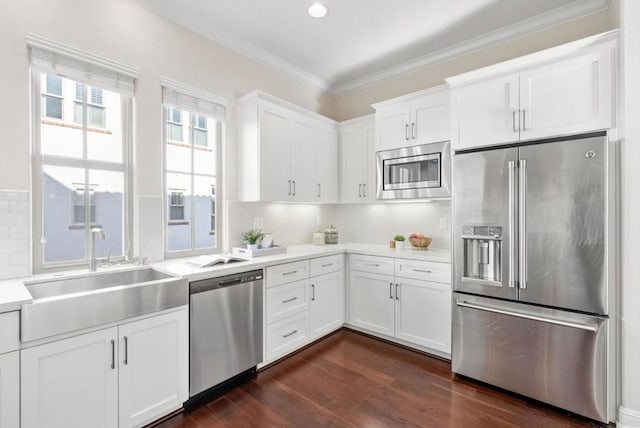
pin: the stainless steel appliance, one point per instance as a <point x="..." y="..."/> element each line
<point x="534" y="270"/>
<point x="226" y="328"/>
<point x="415" y="172"/>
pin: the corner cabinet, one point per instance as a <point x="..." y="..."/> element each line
<point x="358" y="160"/>
<point x="124" y="376"/>
<point x="285" y="153"/>
<point x="560" y="91"/>
<point x="418" y="118"/>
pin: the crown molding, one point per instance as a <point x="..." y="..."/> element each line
<point x="534" y="24"/>
<point x="248" y="50"/>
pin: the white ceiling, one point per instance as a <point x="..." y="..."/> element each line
<point x="361" y="42"/>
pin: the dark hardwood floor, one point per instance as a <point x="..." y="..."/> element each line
<point x="352" y="380"/>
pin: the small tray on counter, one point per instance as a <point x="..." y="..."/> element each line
<point x="258" y="252"/>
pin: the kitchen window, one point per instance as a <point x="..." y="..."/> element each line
<point x="192" y="169"/>
<point x="81" y="160"/>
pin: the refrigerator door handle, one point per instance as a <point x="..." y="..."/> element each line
<point x="522" y="239"/>
<point x="587" y="327"/>
<point x="512" y="224"/>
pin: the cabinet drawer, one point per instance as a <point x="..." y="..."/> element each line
<point x="328" y="264"/>
<point x="286" y="335"/>
<point x="372" y="264"/>
<point x="287" y="299"/>
<point x="9" y="331"/>
<point x="427" y="271"/>
<point x="288" y="272"/>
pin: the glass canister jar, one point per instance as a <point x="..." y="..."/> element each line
<point x="331" y="235"/>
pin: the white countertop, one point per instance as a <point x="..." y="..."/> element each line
<point x="295" y="253"/>
<point x="13" y="292"/>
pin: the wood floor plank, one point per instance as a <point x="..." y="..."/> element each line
<point x="352" y="380"/>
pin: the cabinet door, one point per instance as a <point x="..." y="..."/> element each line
<point x="71" y="383"/>
<point x="567" y="97"/>
<point x="326" y="307"/>
<point x="154" y="367"/>
<point x="485" y="113"/>
<point x="10" y="390"/>
<point x="352" y="164"/>
<point x="370" y="163"/>
<point x="423" y="313"/>
<point x="303" y="162"/>
<point x="431" y="119"/>
<point x="393" y="127"/>
<point x="371" y="302"/>
<point x="275" y="142"/>
<point x="327" y="165"/>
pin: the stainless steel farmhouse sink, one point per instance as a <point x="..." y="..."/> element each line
<point x="63" y="305"/>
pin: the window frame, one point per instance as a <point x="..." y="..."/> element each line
<point x="40" y="160"/>
<point x="59" y="97"/>
<point x="218" y="149"/>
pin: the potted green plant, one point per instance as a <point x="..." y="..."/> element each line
<point x="251" y="237"/>
<point x="400" y="242"/>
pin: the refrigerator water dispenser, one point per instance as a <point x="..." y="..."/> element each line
<point x="482" y="250"/>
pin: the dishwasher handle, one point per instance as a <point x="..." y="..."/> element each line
<point x="225" y="282"/>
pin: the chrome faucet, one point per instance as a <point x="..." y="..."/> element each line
<point x="93" y="262"/>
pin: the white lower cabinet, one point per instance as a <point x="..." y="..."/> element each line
<point x="304" y="301"/>
<point x="10" y="390"/>
<point x="121" y="376"/>
<point x="371" y="302"/>
<point x="154" y="367"/>
<point x="326" y="309"/>
<point x="423" y="313"/>
<point x="416" y="311"/>
<point x="71" y="383"/>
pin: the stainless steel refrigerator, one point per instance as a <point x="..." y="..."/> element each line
<point x="534" y="240"/>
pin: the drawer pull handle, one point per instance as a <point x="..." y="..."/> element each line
<point x="290" y="334"/>
<point x="422" y="271"/>
<point x="372" y="264"/>
<point x="326" y="265"/>
<point x="289" y="273"/>
<point x="290" y="300"/>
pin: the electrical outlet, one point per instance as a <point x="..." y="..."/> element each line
<point x="443" y="222"/>
<point x="258" y="223"/>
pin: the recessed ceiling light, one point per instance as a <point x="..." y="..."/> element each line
<point x="317" y="10"/>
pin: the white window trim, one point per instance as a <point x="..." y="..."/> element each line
<point x="39" y="160"/>
<point x="174" y="94"/>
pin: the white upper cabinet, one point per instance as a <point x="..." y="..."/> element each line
<point x="285" y="153"/>
<point x="327" y="165"/>
<point x="358" y="160"/>
<point x="561" y="91"/>
<point x="419" y="118"/>
<point x="486" y="112"/>
<point x="567" y="97"/>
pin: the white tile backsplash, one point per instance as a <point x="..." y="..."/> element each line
<point x="290" y="224"/>
<point x="378" y="223"/>
<point x="15" y="242"/>
<point x="150" y="227"/>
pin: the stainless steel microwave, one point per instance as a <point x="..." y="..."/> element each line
<point x="415" y="172"/>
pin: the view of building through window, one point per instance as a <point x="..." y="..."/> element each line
<point x="83" y="169"/>
<point x="191" y="144"/>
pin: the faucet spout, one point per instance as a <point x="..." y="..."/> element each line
<point x="93" y="263"/>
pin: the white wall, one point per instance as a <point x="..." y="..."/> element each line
<point x="124" y="31"/>
<point x="379" y="223"/>
<point x="630" y="315"/>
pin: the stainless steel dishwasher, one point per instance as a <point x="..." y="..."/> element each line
<point x="226" y="328"/>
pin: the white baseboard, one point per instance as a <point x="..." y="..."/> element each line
<point x="628" y="418"/>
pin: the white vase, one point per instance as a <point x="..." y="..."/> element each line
<point x="400" y="245"/>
